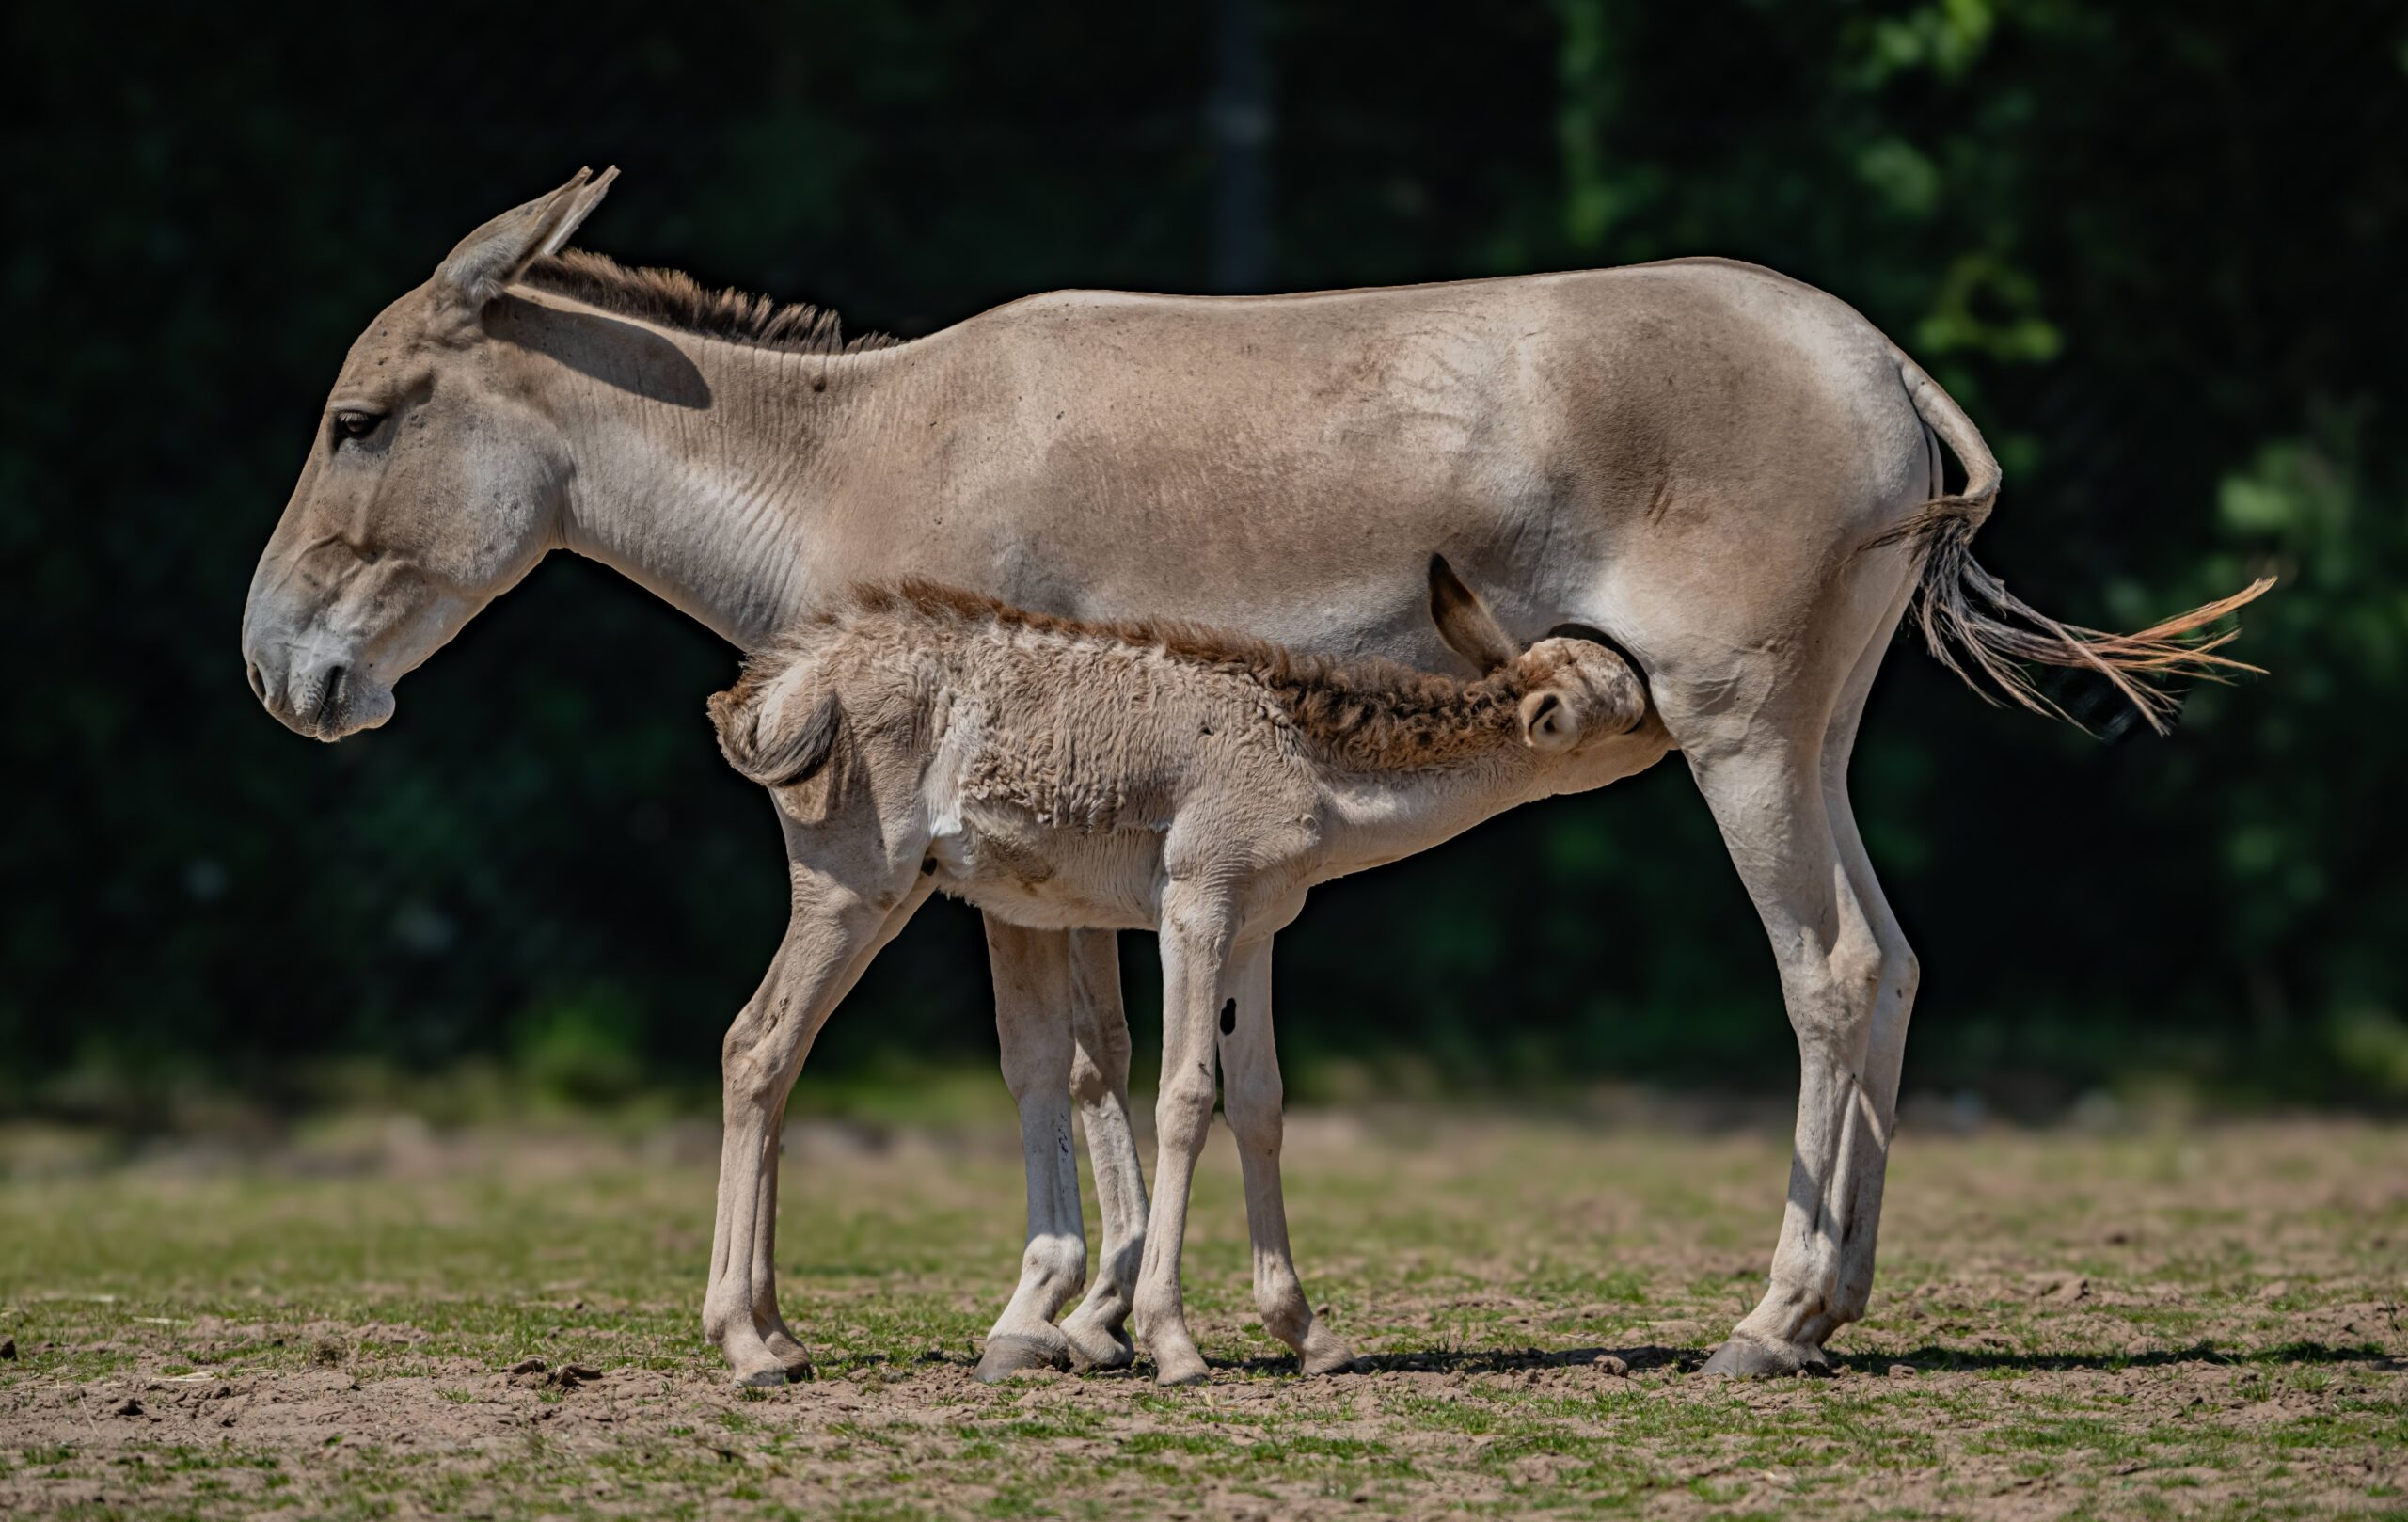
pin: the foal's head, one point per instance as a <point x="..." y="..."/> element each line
<point x="1576" y="689"/>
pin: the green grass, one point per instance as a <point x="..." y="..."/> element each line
<point x="2194" y="1324"/>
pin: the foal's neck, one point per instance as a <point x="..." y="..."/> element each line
<point x="1380" y="813"/>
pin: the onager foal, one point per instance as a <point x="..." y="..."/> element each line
<point x="1151" y="776"/>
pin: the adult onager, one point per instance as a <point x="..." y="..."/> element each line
<point x="1733" y="476"/>
<point x="1177" y="779"/>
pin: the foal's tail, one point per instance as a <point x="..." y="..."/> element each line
<point x="1986" y="634"/>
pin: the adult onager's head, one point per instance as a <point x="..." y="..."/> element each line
<point x="432" y="486"/>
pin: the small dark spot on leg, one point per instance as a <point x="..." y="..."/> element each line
<point x="1229" y="1018"/>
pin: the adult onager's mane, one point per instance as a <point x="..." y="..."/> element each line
<point x="1367" y="712"/>
<point x="673" y="298"/>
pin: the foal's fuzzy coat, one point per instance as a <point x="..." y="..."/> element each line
<point x="1156" y="776"/>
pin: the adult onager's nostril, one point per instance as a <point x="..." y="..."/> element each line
<point x="330" y="695"/>
<point x="258" y="682"/>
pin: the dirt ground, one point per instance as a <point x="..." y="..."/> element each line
<point x="2196" y="1321"/>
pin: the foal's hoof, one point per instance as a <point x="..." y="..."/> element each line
<point x="1749" y="1358"/>
<point x="1008" y="1355"/>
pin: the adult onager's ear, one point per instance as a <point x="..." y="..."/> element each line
<point x="1465" y="622"/>
<point x="490" y="258"/>
<point x="758" y="743"/>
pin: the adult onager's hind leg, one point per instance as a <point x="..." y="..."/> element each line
<point x="1100" y="1081"/>
<point x="1848" y="980"/>
<point x="1033" y="1019"/>
<point x="1902" y="974"/>
<point x="834" y="933"/>
<point x="1251" y="1097"/>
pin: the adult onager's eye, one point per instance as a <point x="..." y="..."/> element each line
<point x="353" y="423"/>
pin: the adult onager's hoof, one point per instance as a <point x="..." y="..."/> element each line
<point x="1176" y="1374"/>
<point x="1009" y="1354"/>
<point x="1094" y="1347"/>
<point x="1097" y="1339"/>
<point x="791" y="1358"/>
<point x="762" y="1379"/>
<point x="1323" y="1354"/>
<point x="1750" y="1357"/>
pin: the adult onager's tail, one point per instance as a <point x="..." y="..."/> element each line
<point x="1980" y="630"/>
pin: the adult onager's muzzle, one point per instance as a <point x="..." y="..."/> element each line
<point x="315" y="688"/>
<point x="322" y="697"/>
<point x="316" y="678"/>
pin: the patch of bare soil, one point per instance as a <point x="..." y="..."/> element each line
<point x="2202" y="1325"/>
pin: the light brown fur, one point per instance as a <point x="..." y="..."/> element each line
<point x="1708" y="463"/>
<point x="1367" y="712"/>
<point x="1060" y="773"/>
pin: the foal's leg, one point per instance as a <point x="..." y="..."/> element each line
<point x="1100" y="1081"/>
<point x="775" y="1335"/>
<point x="1195" y="948"/>
<point x="1251" y="1098"/>
<point x="1032" y="977"/>
<point x="834" y="931"/>
<point x="779" y="1339"/>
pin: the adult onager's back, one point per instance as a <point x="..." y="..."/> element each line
<point x="1733" y="475"/>
<point x="1064" y="774"/>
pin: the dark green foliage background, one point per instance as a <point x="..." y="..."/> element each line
<point x="2155" y="250"/>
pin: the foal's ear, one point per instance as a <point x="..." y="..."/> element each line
<point x="1465" y="622"/>
<point x="757" y="738"/>
<point x="490" y="258"/>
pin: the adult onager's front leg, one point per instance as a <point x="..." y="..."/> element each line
<point x="1031" y="974"/>
<point x="831" y="935"/>
<point x="1059" y="1018"/>
<point x="1252" y="1099"/>
<point x="1100" y="1081"/>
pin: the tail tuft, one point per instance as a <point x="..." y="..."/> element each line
<point x="1986" y="634"/>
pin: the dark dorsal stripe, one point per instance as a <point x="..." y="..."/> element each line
<point x="673" y="298"/>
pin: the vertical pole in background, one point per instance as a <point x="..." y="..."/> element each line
<point x="1237" y="119"/>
